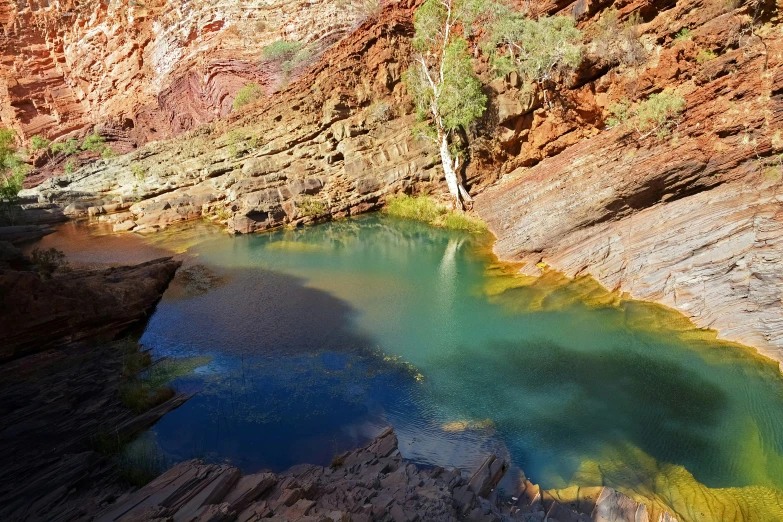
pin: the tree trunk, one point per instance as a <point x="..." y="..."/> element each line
<point x="458" y="192"/>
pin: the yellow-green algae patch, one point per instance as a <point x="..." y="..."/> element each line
<point x="669" y="487"/>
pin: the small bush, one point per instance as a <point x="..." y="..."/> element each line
<point x="68" y="147"/>
<point x="234" y="138"/>
<point x="303" y="56"/>
<point x="246" y="95"/>
<point x="705" y="55"/>
<point x="46" y="262"/>
<point x="107" y="152"/>
<point x="684" y="34"/>
<point x="281" y="51"/>
<point x="94" y="142"/>
<point x="656" y="115"/>
<point x="540" y="50"/>
<point x="70" y="166"/>
<point x="39" y="143"/>
<point x="618" y="43"/>
<point x="138" y="172"/>
<point x="311" y="207"/>
<point x="141" y="461"/>
<point x="13" y="169"/>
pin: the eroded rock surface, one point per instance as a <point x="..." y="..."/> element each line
<point x="694" y="221"/>
<point x="370" y="484"/>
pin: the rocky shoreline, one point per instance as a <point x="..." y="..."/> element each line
<point x="373" y="483"/>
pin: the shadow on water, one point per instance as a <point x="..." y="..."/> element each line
<point x="291" y="380"/>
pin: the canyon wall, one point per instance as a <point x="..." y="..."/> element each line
<point x="691" y="219"/>
<point x="144" y="70"/>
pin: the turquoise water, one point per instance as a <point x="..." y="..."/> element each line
<point x="320" y="337"/>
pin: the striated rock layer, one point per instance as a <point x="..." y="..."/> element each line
<point x="694" y="221"/>
<point x="370" y="484"/>
<point x="148" y="69"/>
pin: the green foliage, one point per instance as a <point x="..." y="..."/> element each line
<point x="281" y="51"/>
<point x="107" y="152"/>
<point x="39" y="143"/>
<point x="539" y="49"/>
<point x="420" y="208"/>
<point x="46" y="262"/>
<point x="684" y="34"/>
<point x="311" y="207"/>
<point x="13" y="169"/>
<point x="655" y="115"/>
<point x="141" y="461"/>
<point x="461" y="100"/>
<point x="463" y="221"/>
<point x="93" y="142"/>
<point x="70" y="166"/>
<point x="426" y="209"/>
<point x="68" y="147"/>
<point x="246" y="95"/>
<point x="138" y="172"/>
<point x="302" y="56"/>
<point x="234" y="138"/>
<point x="705" y="55"/>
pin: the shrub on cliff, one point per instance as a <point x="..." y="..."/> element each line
<point x="13" y="169"/>
<point x="281" y="51"/>
<point x="68" y="147"/>
<point x="540" y="50"/>
<point x="247" y="95"/>
<point x="657" y="115"/>
<point x="47" y="261"/>
<point x="39" y="143"/>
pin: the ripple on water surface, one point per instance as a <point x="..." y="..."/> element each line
<point x="320" y="337"/>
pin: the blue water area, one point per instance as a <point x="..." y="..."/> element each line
<point x="321" y="337"/>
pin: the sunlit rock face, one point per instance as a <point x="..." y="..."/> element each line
<point x="150" y="69"/>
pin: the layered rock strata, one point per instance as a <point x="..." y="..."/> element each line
<point x="690" y="220"/>
<point x="693" y="221"/>
<point x="370" y="484"/>
<point x="332" y="144"/>
<point x="144" y="70"/>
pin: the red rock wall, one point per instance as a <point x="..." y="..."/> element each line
<point x="152" y="69"/>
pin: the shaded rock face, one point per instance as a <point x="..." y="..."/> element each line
<point x="143" y="70"/>
<point x="53" y="406"/>
<point x="370" y="484"/>
<point x="36" y="313"/>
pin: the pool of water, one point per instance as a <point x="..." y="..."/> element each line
<point x="321" y="337"/>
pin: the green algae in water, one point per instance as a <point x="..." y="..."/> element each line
<point x="578" y="385"/>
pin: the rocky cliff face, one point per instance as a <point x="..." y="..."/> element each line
<point x="144" y="70"/>
<point x="691" y="220"/>
<point x="694" y="220"/>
